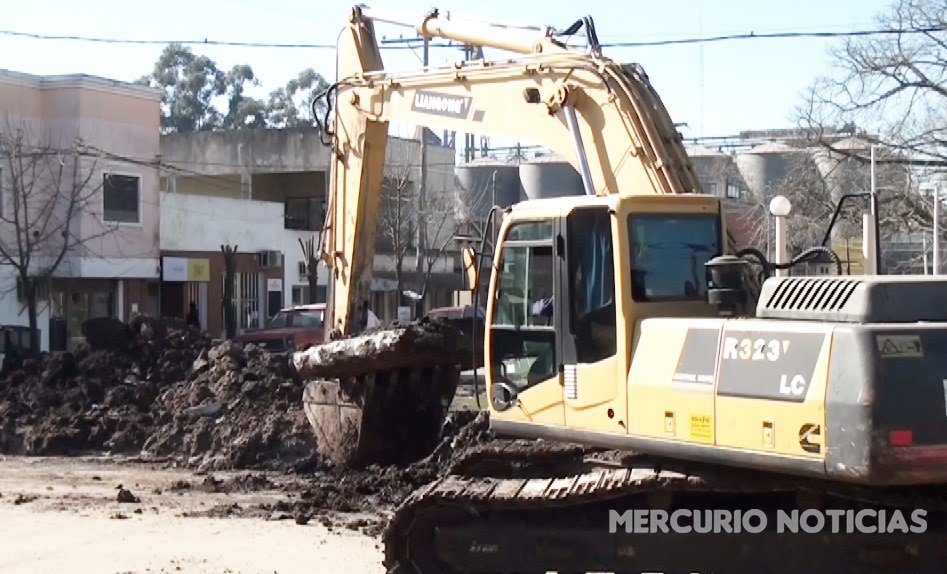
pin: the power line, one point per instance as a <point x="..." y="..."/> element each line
<point x="781" y="35"/>
<point x="205" y="41"/>
<point x="389" y="44"/>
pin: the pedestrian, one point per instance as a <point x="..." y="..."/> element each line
<point x="193" y="319"/>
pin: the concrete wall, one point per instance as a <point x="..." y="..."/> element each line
<point x="256" y="151"/>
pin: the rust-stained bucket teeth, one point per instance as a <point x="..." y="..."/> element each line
<point x="385" y="417"/>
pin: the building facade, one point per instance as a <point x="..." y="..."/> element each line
<point x="101" y="192"/>
<point x="263" y="193"/>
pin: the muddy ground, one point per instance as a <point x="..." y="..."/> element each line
<point x="63" y="515"/>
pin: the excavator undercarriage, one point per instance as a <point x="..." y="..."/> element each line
<point x="525" y="517"/>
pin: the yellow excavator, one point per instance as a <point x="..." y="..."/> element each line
<point x="631" y="356"/>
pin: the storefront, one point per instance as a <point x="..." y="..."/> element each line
<point x="73" y="301"/>
<point x="198" y="277"/>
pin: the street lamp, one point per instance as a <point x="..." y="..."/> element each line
<point x="781" y="207"/>
<point x="871" y="247"/>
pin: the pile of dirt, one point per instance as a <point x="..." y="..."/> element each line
<point x="344" y="498"/>
<point x="161" y="388"/>
<point x="238" y="408"/>
<point x="100" y="398"/>
<point x="166" y="391"/>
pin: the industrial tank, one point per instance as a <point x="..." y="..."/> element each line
<point x="844" y="174"/>
<point x="481" y="182"/>
<point x="549" y="176"/>
<point x="766" y="166"/>
<point x="841" y="175"/>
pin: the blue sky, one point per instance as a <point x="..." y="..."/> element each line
<point x="720" y="89"/>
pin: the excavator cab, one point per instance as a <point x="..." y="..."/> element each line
<point x="573" y="278"/>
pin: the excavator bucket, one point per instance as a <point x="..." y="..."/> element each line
<point x="381" y="397"/>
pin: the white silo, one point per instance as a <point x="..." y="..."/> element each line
<point x="549" y="176"/>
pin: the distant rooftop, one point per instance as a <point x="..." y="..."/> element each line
<point x="67" y="81"/>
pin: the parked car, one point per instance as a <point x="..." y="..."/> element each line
<point x="291" y="329"/>
<point x="464" y="312"/>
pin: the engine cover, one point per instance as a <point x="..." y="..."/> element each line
<point x="855" y="299"/>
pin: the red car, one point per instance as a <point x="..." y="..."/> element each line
<point x="291" y="329"/>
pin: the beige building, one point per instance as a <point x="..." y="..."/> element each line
<point x="104" y="137"/>
<point x="261" y="192"/>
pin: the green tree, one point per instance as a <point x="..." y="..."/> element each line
<point x="291" y="106"/>
<point x="242" y="110"/>
<point x="192" y="83"/>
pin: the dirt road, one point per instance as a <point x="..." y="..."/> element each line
<point x="62" y="515"/>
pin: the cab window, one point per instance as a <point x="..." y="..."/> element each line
<point x="668" y="255"/>
<point x="279" y="321"/>
<point x="523" y="350"/>
<point x="309" y="319"/>
<point x="592" y="284"/>
<point x="524" y="297"/>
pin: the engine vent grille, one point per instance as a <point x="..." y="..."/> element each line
<point x="811" y="294"/>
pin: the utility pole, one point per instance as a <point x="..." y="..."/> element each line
<point x="420" y="228"/>
<point x="937" y="229"/>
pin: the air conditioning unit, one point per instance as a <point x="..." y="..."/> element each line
<point x="301" y="267"/>
<point x="270" y="259"/>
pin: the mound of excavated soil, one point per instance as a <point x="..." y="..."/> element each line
<point x="165" y="390"/>
<point x="95" y="399"/>
<point x="238" y="408"/>
<point x="330" y="491"/>
<point x="168" y="391"/>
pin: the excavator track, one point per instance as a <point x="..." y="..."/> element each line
<point x="523" y="523"/>
<point x="508" y="458"/>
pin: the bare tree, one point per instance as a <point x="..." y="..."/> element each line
<point x="810" y="195"/>
<point x="439" y="228"/>
<point x="311" y="260"/>
<point x="893" y="85"/>
<point x="397" y="222"/>
<point x="230" y="271"/>
<point x="50" y="187"/>
<point x="398" y="227"/>
<point x="814" y="181"/>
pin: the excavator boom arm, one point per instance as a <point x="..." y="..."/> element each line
<point x="601" y="116"/>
